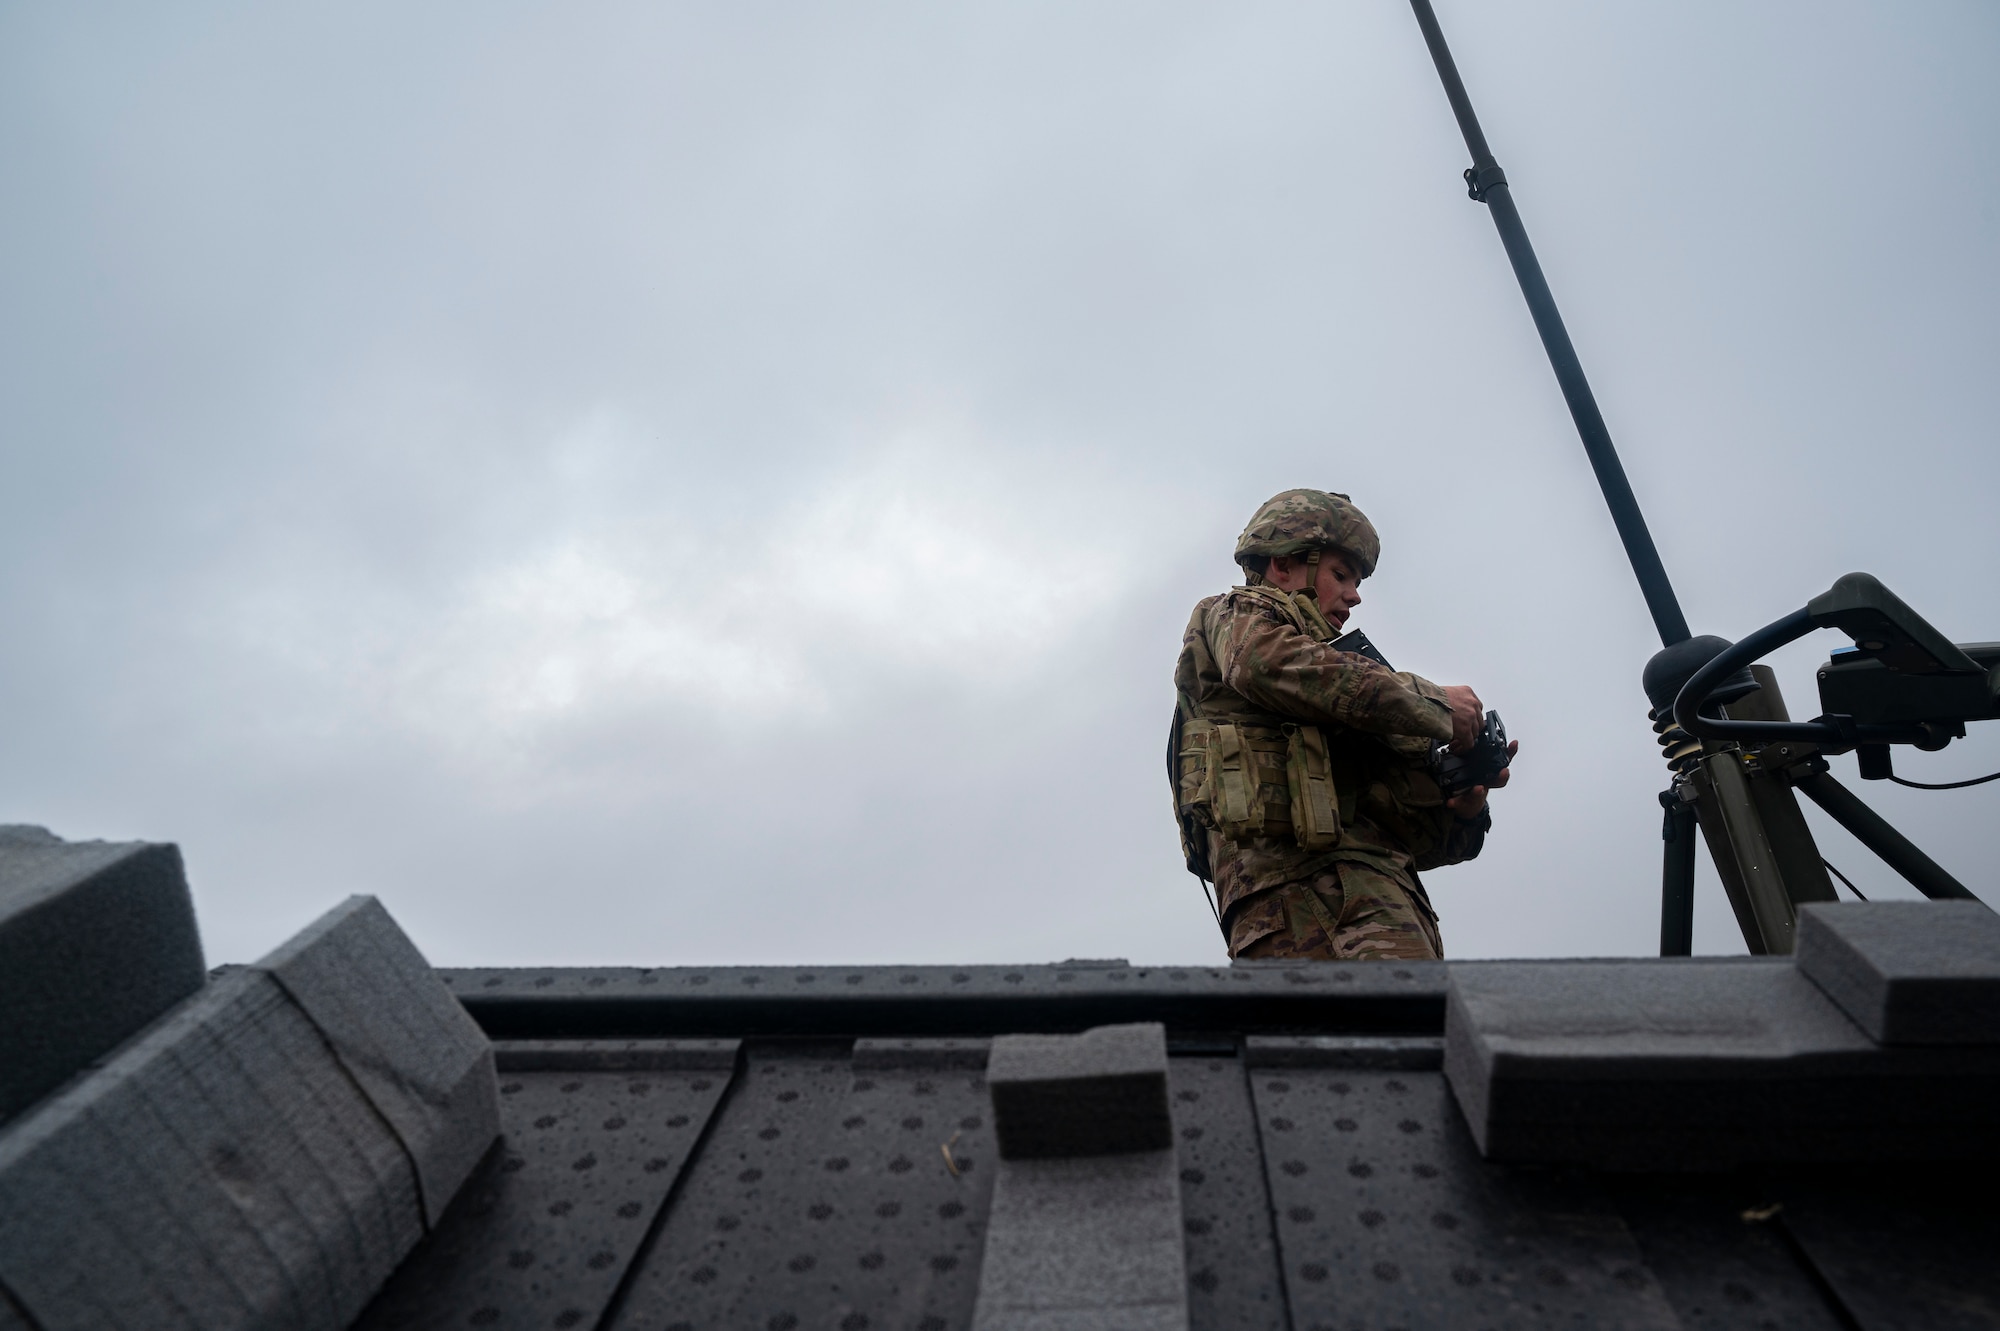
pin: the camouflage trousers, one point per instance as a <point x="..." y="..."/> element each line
<point x="1345" y="912"/>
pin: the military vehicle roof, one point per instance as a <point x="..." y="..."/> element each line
<point x="340" y="1136"/>
<point x="825" y="1157"/>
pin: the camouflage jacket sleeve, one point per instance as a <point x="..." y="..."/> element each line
<point x="1272" y="664"/>
<point x="1462" y="841"/>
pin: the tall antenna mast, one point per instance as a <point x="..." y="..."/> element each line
<point x="1487" y="183"/>
<point x="1743" y="801"/>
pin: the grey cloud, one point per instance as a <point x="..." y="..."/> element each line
<point x="726" y="482"/>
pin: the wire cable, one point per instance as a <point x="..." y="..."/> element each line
<point x="1213" y="909"/>
<point x="1842" y="877"/>
<point x="1946" y="785"/>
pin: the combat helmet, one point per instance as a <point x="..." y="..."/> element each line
<point x="1309" y="519"/>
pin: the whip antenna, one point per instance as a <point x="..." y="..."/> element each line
<point x="1487" y="183"/>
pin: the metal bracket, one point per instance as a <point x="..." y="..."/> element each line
<point x="1790" y="760"/>
<point x="1481" y="177"/>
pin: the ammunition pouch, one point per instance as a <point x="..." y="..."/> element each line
<point x="1247" y="780"/>
<point x="1315" y="801"/>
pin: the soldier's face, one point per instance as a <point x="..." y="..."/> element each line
<point x="1339" y="589"/>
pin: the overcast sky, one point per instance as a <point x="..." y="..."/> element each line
<point x="726" y="482"/>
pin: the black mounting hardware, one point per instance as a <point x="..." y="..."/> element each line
<point x="1904" y="682"/>
<point x="1482" y="178"/>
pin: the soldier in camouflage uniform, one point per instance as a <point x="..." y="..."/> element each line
<point x="1300" y="772"/>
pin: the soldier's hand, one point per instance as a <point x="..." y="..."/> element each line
<point x="1468" y="715"/>
<point x="1467" y="804"/>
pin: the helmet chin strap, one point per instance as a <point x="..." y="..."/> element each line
<point x="1307" y="599"/>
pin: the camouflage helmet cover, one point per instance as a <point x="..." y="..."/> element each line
<point x="1304" y="519"/>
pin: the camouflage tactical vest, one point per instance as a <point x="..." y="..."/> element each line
<point x="1247" y="773"/>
